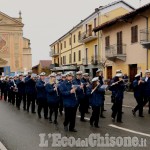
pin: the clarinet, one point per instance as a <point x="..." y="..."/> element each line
<point x="94" y="89"/>
<point x="56" y="90"/>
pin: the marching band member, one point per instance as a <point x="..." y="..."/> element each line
<point x="30" y="92"/>
<point x="52" y="97"/>
<point x="2" y="86"/>
<point x="63" y="78"/>
<point x="41" y="96"/>
<point x="11" y="97"/>
<point x="21" y="92"/>
<point x="80" y="94"/>
<point x="6" y="88"/>
<point x="70" y="102"/>
<point x="86" y="82"/>
<point x="96" y="100"/>
<point x="117" y="87"/>
<point x="147" y="89"/>
<point x="138" y="85"/>
<point x="99" y="74"/>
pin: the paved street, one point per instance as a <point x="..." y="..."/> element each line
<point x="20" y="130"/>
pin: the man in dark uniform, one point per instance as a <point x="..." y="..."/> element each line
<point x="2" y="86"/>
<point x="80" y="94"/>
<point x="99" y="74"/>
<point x="21" y="92"/>
<point x="147" y="89"/>
<point x="86" y="82"/>
<point x="63" y="78"/>
<point x="117" y="87"/>
<point x="70" y="102"/>
<point x="10" y="91"/>
<point x="30" y="91"/>
<point x="41" y="96"/>
<point x="138" y="87"/>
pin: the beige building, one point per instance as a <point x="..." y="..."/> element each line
<point x="15" y="51"/>
<point x="80" y="48"/>
<point x="125" y="42"/>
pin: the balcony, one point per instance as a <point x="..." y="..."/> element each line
<point x="85" y="61"/>
<point x="87" y="36"/>
<point x="145" y="38"/>
<point x="114" y="52"/>
<point x="53" y="53"/>
<point x="94" y="60"/>
<point x="53" y="65"/>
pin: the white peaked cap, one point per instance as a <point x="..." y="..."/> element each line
<point x="52" y="75"/>
<point x="99" y="70"/>
<point x="69" y="73"/>
<point x="118" y="71"/>
<point x="85" y="74"/>
<point x="95" y="79"/>
<point x="119" y="75"/>
<point x="42" y="74"/>
<point x="138" y="75"/>
<point x="79" y="73"/>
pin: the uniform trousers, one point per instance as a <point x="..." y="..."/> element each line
<point x="117" y="109"/>
<point x="70" y="117"/>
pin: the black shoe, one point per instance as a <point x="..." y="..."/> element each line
<point x="119" y="121"/>
<point x="104" y="110"/>
<point x="91" y="123"/>
<point x="102" y="116"/>
<point x="33" y="112"/>
<point x="141" y="116"/>
<point x="113" y="119"/>
<point x="55" y="122"/>
<point x="61" y="113"/>
<point x="72" y="130"/>
<point x="82" y="120"/>
<point x="96" y="126"/>
<point x="133" y="112"/>
<point x="39" y="116"/>
<point x="45" y="118"/>
<point x="66" y="128"/>
<point x="27" y="110"/>
<point x="50" y="121"/>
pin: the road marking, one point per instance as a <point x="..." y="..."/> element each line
<point x="2" y="147"/>
<point x="128" y="130"/>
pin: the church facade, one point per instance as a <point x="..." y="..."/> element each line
<point x="15" y="51"/>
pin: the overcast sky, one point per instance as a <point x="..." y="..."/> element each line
<point x="46" y="20"/>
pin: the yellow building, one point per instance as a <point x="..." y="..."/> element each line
<point x="14" y="49"/>
<point x="81" y="47"/>
<point x="125" y="41"/>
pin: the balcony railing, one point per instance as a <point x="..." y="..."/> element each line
<point x="53" y="65"/>
<point x="87" y="36"/>
<point x="145" y="37"/>
<point x="116" y="51"/>
<point x="95" y="60"/>
<point x="53" y="53"/>
<point x="85" y="61"/>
